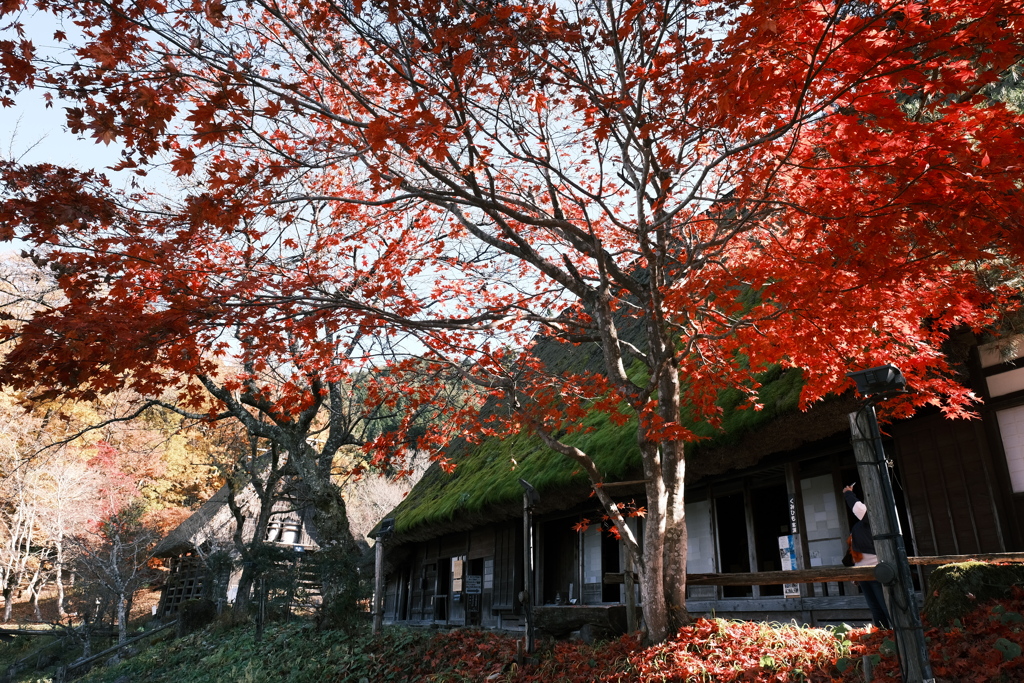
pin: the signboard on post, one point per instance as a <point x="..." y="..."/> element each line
<point x="793" y="527"/>
<point x="787" y="552"/>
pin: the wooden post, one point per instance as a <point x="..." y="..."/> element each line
<point x="527" y="594"/>
<point x="378" y="585"/>
<point x="632" y="623"/>
<point x="897" y="586"/>
<point x="797" y="523"/>
<point x="748" y="516"/>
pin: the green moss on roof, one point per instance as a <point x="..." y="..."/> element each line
<point x="779" y="394"/>
<point x="488" y="473"/>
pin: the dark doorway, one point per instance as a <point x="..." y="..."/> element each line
<point x="423" y="593"/>
<point x="733" y="549"/>
<point x="771" y="520"/>
<point x="609" y="564"/>
<point x="473" y="591"/>
<point x="404" y="590"/>
<point x="559" y="571"/>
<point x="444" y="582"/>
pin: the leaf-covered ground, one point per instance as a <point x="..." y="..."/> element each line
<point x="987" y="645"/>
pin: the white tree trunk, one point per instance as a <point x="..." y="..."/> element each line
<point x="59" y="579"/>
<point x="122" y="617"/>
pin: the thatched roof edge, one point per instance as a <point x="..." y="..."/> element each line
<point x="484" y="487"/>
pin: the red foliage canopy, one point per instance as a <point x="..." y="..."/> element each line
<point x="702" y="189"/>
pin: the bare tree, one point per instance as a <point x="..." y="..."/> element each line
<point x="115" y="557"/>
<point x="68" y="489"/>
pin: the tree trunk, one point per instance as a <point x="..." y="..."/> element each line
<point x="663" y="575"/>
<point x="338" y="556"/>
<point x="35" y="605"/>
<point x="673" y="470"/>
<point x="243" y="594"/>
<point x="123" y="605"/>
<point x="663" y="567"/>
<point x="8" y="602"/>
<point x="35" y="587"/>
<point x="675" y="541"/>
<point x="339" y="576"/>
<point x="59" y="580"/>
<point x="652" y="573"/>
<point x="249" y="549"/>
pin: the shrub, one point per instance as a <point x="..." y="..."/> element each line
<point x="194" y="615"/>
<point x="956" y="589"/>
<point x="985" y="645"/>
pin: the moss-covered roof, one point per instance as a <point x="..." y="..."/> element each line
<point x="487" y="474"/>
<point x="485" y="484"/>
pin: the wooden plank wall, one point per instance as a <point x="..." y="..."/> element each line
<point x="950" y="486"/>
<point x="508" y="568"/>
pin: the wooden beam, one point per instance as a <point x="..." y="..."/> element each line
<point x="619" y="577"/>
<point x="813" y="575"/>
<point x="981" y="557"/>
<point x="819" y="574"/>
<point x="32" y="632"/>
<point x="612" y="484"/>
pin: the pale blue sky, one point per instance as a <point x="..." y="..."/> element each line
<point x="30" y="132"/>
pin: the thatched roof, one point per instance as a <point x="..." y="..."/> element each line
<point x="214" y="525"/>
<point x="485" y="485"/>
<point x="213" y="521"/>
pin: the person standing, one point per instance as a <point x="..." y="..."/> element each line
<point x="862" y="544"/>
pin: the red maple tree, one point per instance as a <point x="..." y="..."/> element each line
<point x="700" y="190"/>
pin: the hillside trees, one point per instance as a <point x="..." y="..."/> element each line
<point x="696" y="190"/>
<point x="65" y="465"/>
<point x="18" y="516"/>
<point x="299" y="384"/>
<point x="114" y="557"/>
<point x="68" y="487"/>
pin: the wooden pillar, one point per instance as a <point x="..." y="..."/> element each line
<point x="530" y="499"/>
<point x="893" y="570"/>
<point x="378" y="585"/>
<point x="797" y="523"/>
<point x="632" y="623"/>
<point x="748" y="514"/>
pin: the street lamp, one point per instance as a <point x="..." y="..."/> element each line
<point x="530" y="500"/>
<point x="876" y="384"/>
<point x="893" y="570"/>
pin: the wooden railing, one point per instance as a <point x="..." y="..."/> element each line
<point x="823" y="574"/>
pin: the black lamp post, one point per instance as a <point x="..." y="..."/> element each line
<point x="893" y="569"/>
<point x="530" y="500"/>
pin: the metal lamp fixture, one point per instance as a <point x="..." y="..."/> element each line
<point x="531" y="496"/>
<point x="386" y="528"/>
<point x="883" y="380"/>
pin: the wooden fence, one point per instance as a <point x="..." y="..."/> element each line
<point x="822" y="574"/>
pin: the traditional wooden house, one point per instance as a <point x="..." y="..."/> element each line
<point x="196" y="549"/>
<point x="771" y="478"/>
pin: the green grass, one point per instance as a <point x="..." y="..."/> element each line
<point x="295" y="652"/>
<point x="987" y="644"/>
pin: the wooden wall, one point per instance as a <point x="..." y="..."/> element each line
<point x="951" y="485"/>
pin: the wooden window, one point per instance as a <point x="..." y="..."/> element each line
<point x="1011" y="428"/>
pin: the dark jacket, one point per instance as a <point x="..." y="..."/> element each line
<point x="861" y="532"/>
